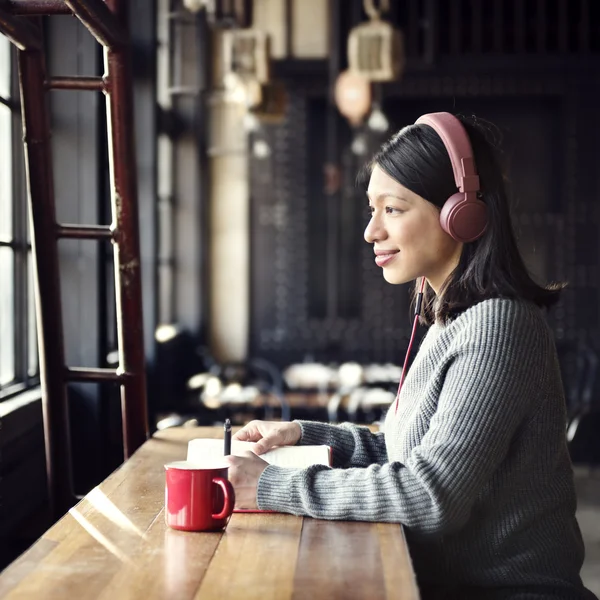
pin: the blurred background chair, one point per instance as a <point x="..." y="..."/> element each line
<point x="583" y="428"/>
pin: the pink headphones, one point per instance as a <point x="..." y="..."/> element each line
<point x="463" y="216"/>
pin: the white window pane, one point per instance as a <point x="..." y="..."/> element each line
<point x="6" y="182"/>
<point x="4" y="67"/>
<point x="7" y="315"/>
<point x="32" y="364"/>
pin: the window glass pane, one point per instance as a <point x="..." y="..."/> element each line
<point x="5" y="174"/>
<point x="5" y="143"/>
<point x="32" y="360"/>
<point x="7" y="316"/>
<point x="4" y="67"/>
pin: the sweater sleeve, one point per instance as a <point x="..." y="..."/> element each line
<point x="484" y="397"/>
<point x="352" y="445"/>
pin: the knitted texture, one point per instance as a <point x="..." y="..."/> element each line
<point x="474" y="463"/>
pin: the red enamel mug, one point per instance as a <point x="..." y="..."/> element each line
<point x="197" y="497"/>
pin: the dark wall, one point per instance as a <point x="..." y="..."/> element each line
<point x="315" y="290"/>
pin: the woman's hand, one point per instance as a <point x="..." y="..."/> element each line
<point x="244" y="473"/>
<point x="268" y="434"/>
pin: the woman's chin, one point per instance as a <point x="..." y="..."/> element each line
<point x="395" y="278"/>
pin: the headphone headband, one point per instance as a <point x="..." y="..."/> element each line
<point x="463" y="216"/>
<point x="458" y="145"/>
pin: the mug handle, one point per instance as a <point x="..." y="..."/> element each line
<point x="229" y="495"/>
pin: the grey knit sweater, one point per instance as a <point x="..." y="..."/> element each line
<point x="474" y="463"/>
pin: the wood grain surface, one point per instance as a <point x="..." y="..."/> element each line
<point x="114" y="545"/>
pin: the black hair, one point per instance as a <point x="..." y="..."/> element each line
<point x="489" y="267"/>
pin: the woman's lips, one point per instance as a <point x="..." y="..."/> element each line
<point x="383" y="259"/>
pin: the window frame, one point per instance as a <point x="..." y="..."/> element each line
<point x="25" y="377"/>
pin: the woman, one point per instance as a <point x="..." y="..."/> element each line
<point x="473" y="461"/>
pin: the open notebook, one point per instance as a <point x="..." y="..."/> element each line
<point x="201" y="450"/>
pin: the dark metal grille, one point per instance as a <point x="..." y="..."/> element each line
<point x="476" y="27"/>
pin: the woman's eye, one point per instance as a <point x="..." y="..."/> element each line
<point x="389" y="210"/>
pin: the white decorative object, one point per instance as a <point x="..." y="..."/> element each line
<point x="195" y="5"/>
<point x="376" y="48"/>
<point x="353" y="96"/>
<point x="377" y="120"/>
<point x="246" y="55"/>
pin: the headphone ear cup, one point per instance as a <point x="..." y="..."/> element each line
<point x="462" y="219"/>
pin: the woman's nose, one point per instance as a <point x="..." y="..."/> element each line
<point x="374" y="231"/>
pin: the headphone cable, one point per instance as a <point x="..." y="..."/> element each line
<point x="412" y="338"/>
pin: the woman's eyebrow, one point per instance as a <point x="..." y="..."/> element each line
<point x="387" y="195"/>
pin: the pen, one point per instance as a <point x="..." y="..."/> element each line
<point x="227" y="430"/>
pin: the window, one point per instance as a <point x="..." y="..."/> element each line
<point x="18" y="347"/>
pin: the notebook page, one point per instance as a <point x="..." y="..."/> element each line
<point x="298" y="457"/>
<point x="202" y="450"/>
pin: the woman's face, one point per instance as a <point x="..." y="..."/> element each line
<point x="406" y="234"/>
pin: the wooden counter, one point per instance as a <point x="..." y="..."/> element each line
<point x="114" y="545"/>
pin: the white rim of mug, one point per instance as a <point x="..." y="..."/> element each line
<point x="184" y="465"/>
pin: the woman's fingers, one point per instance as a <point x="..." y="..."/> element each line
<point x="266" y="443"/>
<point x="268" y="434"/>
<point x="249" y="433"/>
